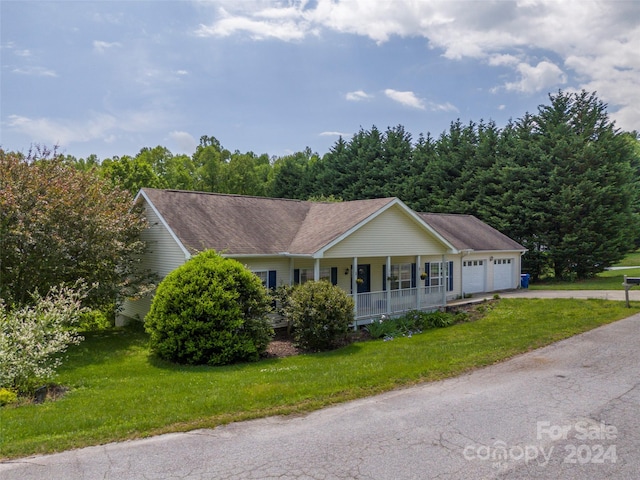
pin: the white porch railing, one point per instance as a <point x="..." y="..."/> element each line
<point x="376" y="304"/>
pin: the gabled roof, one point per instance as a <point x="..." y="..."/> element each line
<point x="244" y="225"/>
<point x="466" y="232"/>
<point x="327" y="221"/>
<point x="228" y="223"/>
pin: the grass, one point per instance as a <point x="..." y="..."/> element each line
<point x="118" y="391"/>
<point x="607" y="280"/>
<point x="631" y="260"/>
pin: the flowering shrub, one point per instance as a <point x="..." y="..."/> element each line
<point x="211" y="310"/>
<point x="32" y="338"/>
<point x="320" y="314"/>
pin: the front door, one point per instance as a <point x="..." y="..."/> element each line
<point x="364" y="274"/>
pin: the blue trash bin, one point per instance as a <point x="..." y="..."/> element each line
<point x="524" y="280"/>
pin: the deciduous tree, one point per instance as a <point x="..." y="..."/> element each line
<point x="59" y="224"/>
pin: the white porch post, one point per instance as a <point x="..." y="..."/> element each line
<point x="418" y="283"/>
<point x="354" y="284"/>
<point x="316" y="270"/>
<point x="388" y="283"/>
<point x="291" y="271"/>
<point x="445" y="279"/>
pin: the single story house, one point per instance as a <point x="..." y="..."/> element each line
<point x="390" y="258"/>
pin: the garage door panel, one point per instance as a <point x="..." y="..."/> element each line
<point x="503" y="274"/>
<point x="473" y="275"/>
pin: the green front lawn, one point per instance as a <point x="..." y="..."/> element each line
<point x="607" y="280"/>
<point x="118" y="391"/>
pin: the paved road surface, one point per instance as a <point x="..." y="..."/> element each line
<point x="567" y="411"/>
<point x="634" y="294"/>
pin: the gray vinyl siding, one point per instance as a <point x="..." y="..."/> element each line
<point x="163" y="256"/>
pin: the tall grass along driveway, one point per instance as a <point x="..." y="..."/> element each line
<point x="118" y="391"/>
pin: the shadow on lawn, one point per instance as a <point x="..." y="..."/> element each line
<point x="349" y="347"/>
<point x="104" y="345"/>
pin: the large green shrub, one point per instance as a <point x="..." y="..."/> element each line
<point x="211" y="310"/>
<point x="320" y="314"/>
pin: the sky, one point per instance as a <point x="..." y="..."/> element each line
<point x="275" y="76"/>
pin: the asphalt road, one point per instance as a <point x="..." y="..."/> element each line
<point x="566" y="411"/>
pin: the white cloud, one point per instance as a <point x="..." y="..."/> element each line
<point x="279" y="23"/>
<point x="35" y="71"/>
<point x="534" y="79"/>
<point x="61" y="132"/>
<point x="335" y="134"/>
<point x="185" y="141"/>
<point x="98" y="126"/>
<point x="100" y="46"/>
<point x="442" y="107"/>
<point x="357" y="96"/>
<point x="592" y="45"/>
<point x="408" y="99"/>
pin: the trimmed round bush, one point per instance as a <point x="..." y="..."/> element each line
<point x="7" y="397"/>
<point x="212" y="311"/>
<point x="320" y="314"/>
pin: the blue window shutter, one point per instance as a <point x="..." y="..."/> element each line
<point x="334" y="275"/>
<point x="450" y="277"/>
<point x="296" y="276"/>
<point x="413" y="275"/>
<point x="427" y="270"/>
<point x="384" y="278"/>
<point x="272" y="279"/>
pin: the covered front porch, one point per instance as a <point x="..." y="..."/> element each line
<point x="388" y="286"/>
<point x="372" y="305"/>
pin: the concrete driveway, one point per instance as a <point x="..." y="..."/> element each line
<point x="634" y="294"/>
<point x="566" y="411"/>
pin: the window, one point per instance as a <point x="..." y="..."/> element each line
<point x="473" y="263"/>
<point x="303" y="275"/>
<point x="502" y="261"/>
<point x="438" y="273"/>
<point x="401" y="276"/>
<point x="267" y="277"/>
<point x="306" y="274"/>
<point x="435" y="274"/>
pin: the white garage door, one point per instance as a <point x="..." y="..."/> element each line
<point x="503" y="273"/>
<point x="473" y="275"/>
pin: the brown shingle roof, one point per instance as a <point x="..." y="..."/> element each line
<point x="244" y="225"/>
<point x="468" y="232"/>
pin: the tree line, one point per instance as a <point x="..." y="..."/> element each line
<point x="562" y="181"/>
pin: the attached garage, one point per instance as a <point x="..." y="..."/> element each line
<point x="503" y="276"/>
<point x="474" y="274"/>
<point x="488" y="260"/>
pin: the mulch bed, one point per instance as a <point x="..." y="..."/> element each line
<point x="283" y="344"/>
